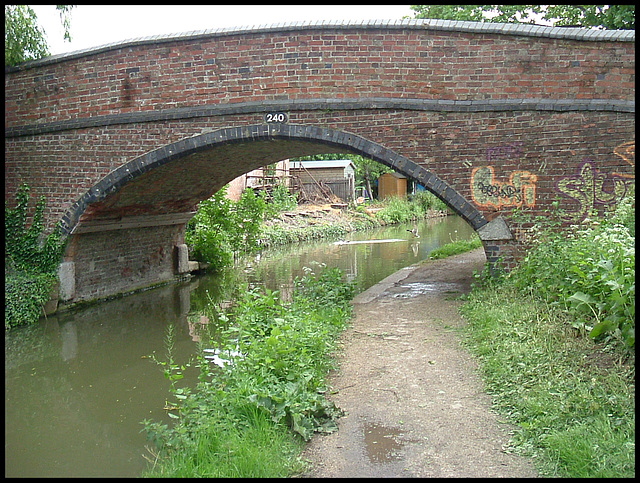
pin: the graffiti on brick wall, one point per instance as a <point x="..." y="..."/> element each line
<point x="592" y="190"/>
<point x="506" y="151"/>
<point x="489" y="193"/>
<point x="627" y="151"/>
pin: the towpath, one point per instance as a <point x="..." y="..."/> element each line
<point x="413" y="397"/>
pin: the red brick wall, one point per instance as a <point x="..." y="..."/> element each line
<point x="409" y="63"/>
<point x="505" y="120"/>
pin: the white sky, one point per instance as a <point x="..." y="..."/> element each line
<point x="94" y="25"/>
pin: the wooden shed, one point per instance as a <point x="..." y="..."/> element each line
<point x="315" y="177"/>
<point x="392" y="184"/>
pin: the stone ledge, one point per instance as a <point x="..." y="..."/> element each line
<point x="435" y="105"/>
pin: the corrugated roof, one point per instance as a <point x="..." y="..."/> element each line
<point x="328" y="163"/>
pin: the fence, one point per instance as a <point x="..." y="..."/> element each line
<point x="322" y="190"/>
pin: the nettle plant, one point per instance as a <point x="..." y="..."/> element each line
<point x="588" y="269"/>
<point x="31" y="260"/>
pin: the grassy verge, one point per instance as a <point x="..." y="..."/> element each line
<point x="455" y="247"/>
<point x="556" y="342"/>
<point x="251" y="418"/>
<point x="573" y="404"/>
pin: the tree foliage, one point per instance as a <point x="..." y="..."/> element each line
<point x="24" y="39"/>
<point x="614" y="17"/>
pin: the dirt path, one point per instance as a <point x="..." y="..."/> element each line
<point x="413" y="398"/>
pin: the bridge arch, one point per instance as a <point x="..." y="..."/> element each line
<point x="318" y="140"/>
<point x="142" y="195"/>
<point x="490" y="117"/>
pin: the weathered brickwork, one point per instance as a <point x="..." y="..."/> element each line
<point x="490" y="120"/>
<point x="107" y="263"/>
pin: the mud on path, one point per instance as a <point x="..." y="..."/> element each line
<point x="413" y="398"/>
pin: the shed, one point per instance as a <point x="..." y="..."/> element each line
<point x="392" y="184"/>
<point x="315" y="177"/>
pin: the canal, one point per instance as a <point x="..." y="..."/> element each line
<point x="79" y="384"/>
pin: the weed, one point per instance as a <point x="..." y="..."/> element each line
<point x="571" y="397"/>
<point x="250" y="418"/>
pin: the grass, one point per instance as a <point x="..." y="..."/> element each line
<point x="572" y="404"/>
<point x="556" y="342"/>
<point x="455" y="247"/>
<point x="260" y="449"/>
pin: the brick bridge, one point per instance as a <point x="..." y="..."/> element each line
<point x="125" y="139"/>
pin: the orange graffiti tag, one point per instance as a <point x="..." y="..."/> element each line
<point x="489" y="193"/>
<point x="627" y="151"/>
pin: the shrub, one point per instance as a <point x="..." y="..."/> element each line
<point x="589" y="270"/>
<point x="222" y="228"/>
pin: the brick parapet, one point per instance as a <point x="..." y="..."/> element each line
<point x="538" y="31"/>
<point x="402" y="66"/>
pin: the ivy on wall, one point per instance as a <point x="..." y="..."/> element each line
<point x="31" y="260"/>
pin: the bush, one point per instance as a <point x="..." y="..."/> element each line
<point x="222" y="228"/>
<point x="588" y="270"/>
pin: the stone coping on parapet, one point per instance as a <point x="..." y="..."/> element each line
<point x="569" y="33"/>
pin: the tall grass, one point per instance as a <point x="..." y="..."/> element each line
<point x="567" y="387"/>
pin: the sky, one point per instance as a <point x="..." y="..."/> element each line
<point x="95" y="25"/>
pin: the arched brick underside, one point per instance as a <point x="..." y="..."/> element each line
<point x="174" y="178"/>
<point x="150" y="199"/>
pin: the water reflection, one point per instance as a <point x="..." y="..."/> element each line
<point x="364" y="263"/>
<point x="77" y="385"/>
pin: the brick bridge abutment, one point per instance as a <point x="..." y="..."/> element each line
<point x="126" y="140"/>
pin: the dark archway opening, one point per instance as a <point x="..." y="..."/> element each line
<point x="136" y="215"/>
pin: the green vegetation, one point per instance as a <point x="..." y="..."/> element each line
<point x="556" y="339"/>
<point x="223" y="228"/>
<point x="405" y="210"/>
<point x="603" y="16"/>
<point x="24" y="39"/>
<point x="455" y="247"/>
<point x="251" y="417"/>
<point x="30" y="261"/>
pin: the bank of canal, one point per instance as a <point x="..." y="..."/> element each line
<point x="78" y="384"/>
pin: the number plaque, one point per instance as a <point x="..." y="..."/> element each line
<point x="271" y="117"/>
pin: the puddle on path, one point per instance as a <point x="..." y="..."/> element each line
<point x="381" y="443"/>
<point x="411" y="290"/>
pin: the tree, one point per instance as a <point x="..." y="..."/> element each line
<point x="615" y="17"/>
<point x="24" y="39"/>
